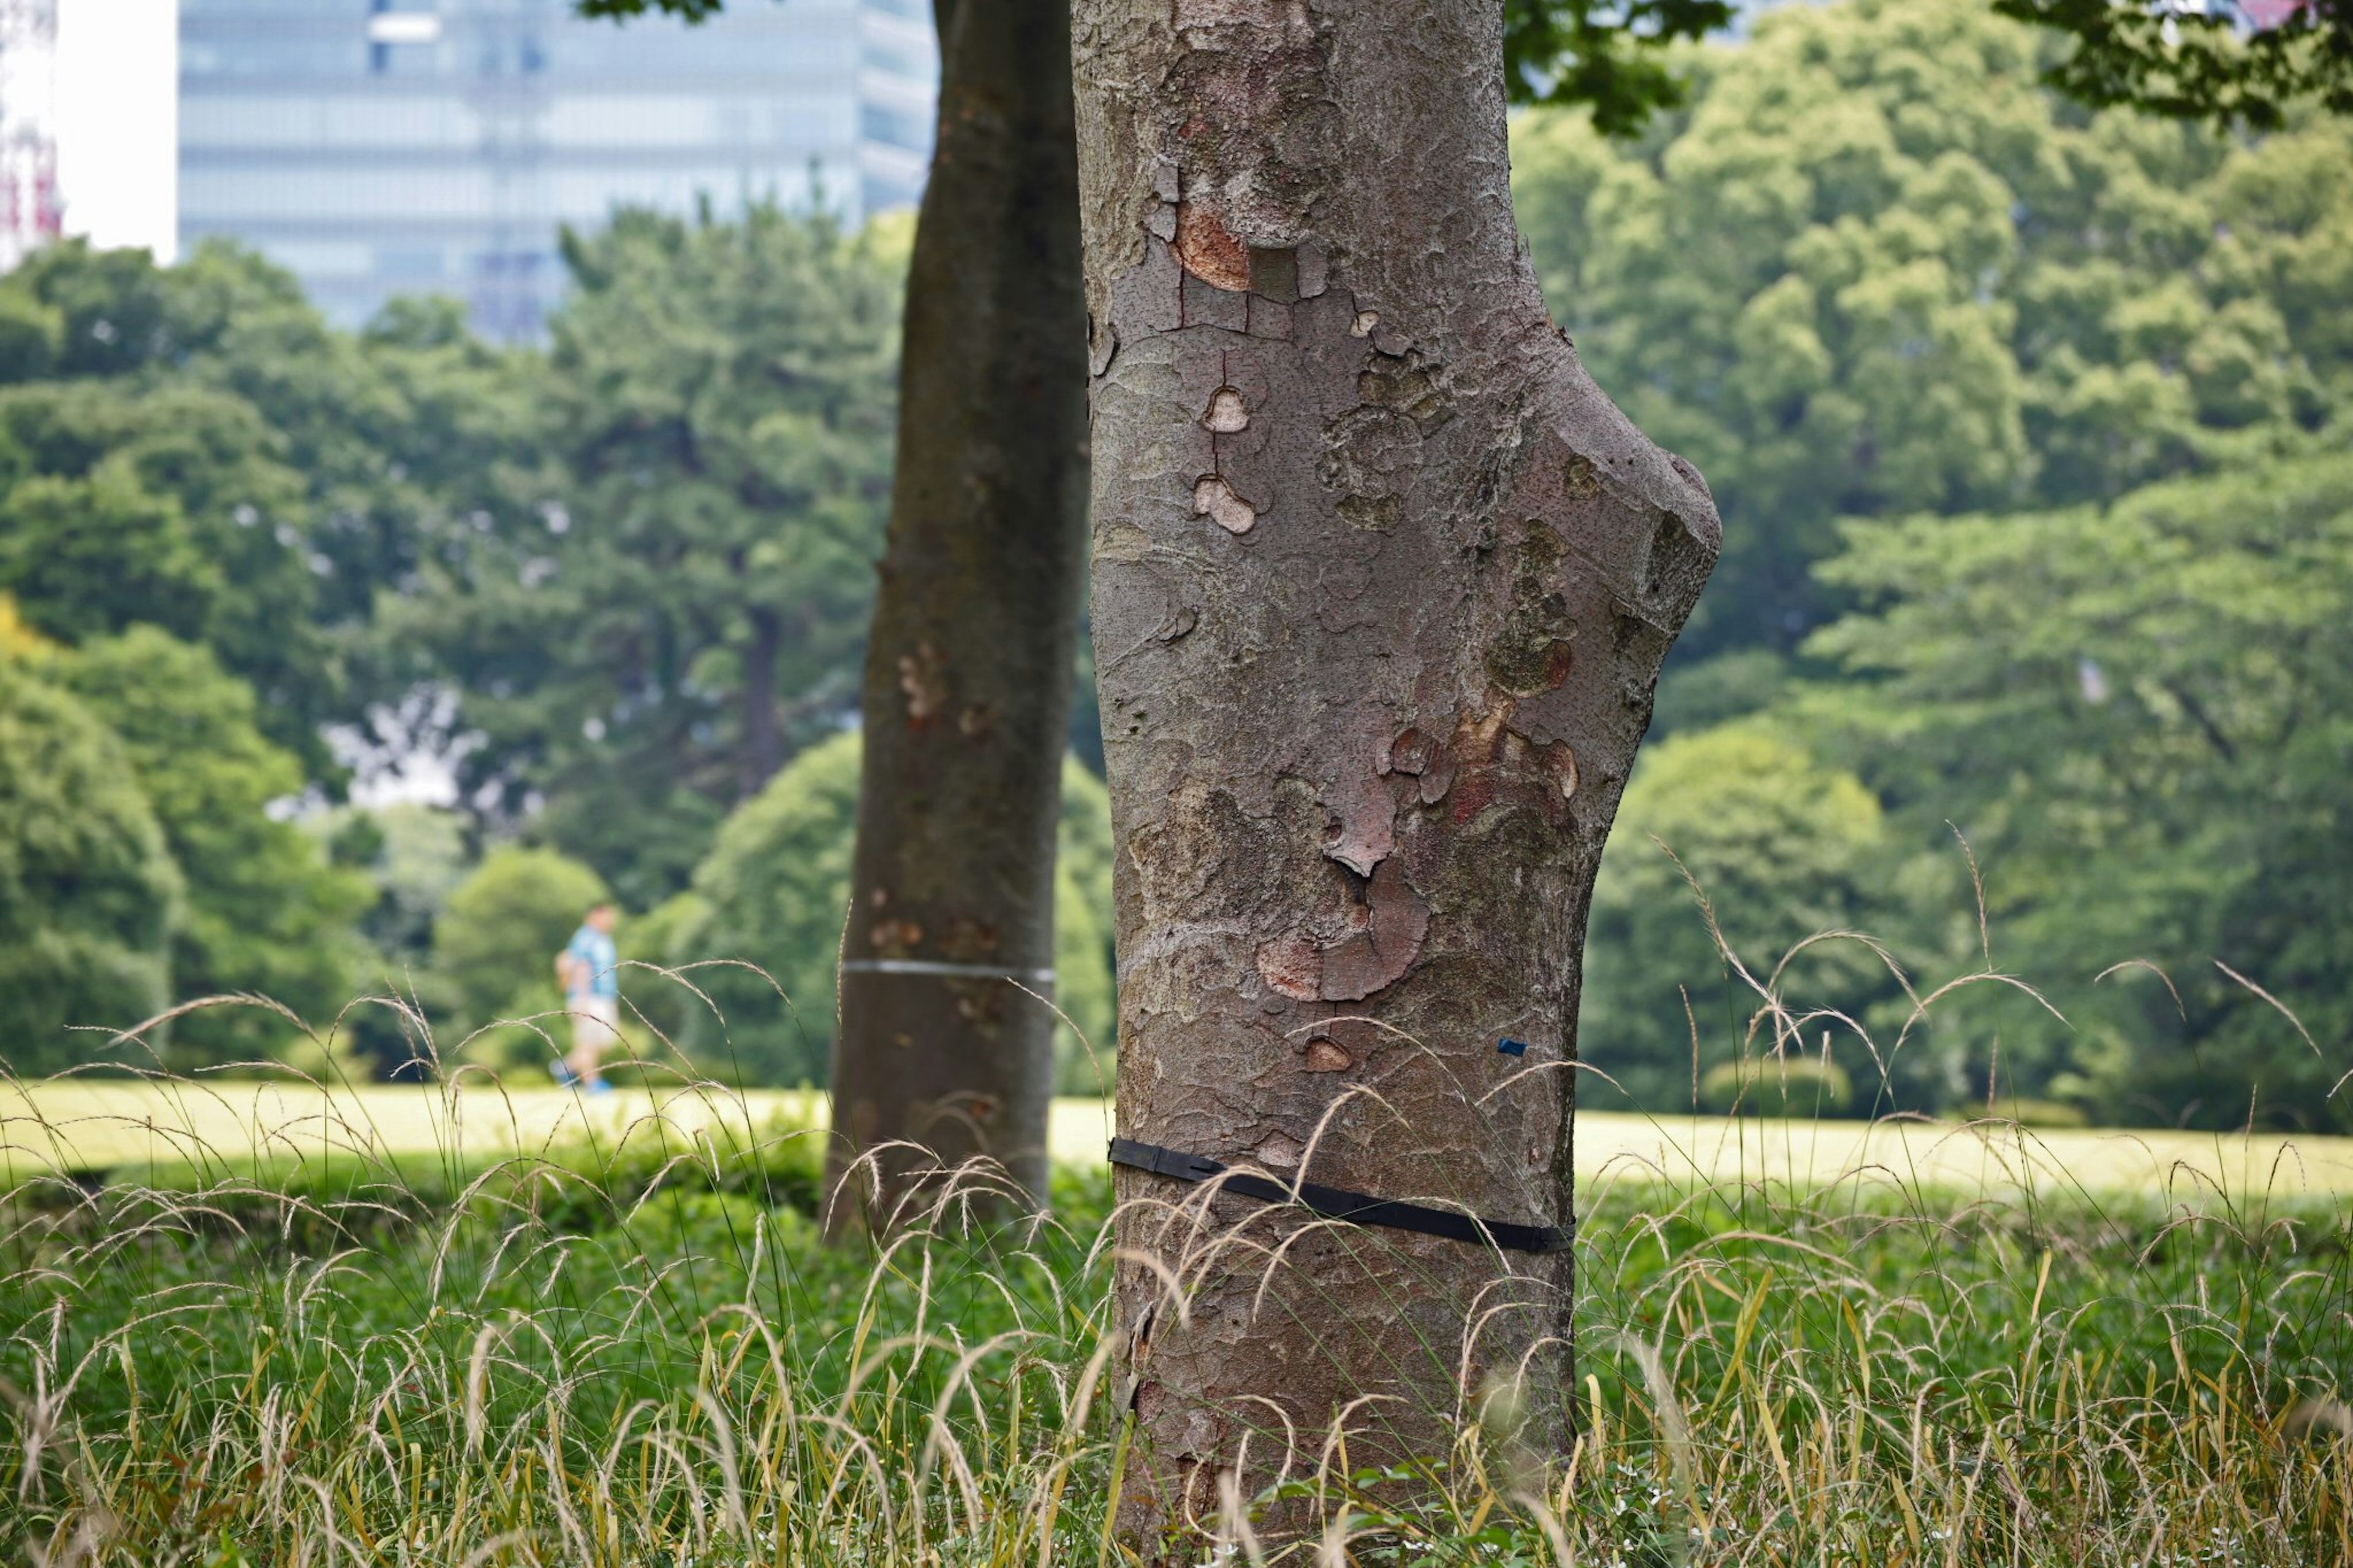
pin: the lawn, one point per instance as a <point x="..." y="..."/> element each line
<point x="358" y="1328"/>
<point x="226" y="1124"/>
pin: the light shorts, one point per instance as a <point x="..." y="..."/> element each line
<point x="596" y="1022"/>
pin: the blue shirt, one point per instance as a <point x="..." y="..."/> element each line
<point x="593" y="951"/>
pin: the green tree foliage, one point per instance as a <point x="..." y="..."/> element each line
<point x="163" y="505"/>
<point x="1789" y="1084"/>
<point x="497" y="938"/>
<point x="1740" y="826"/>
<point x="88" y="890"/>
<point x="1877" y="269"/>
<point x="2142" y="716"/>
<point x="265" y="913"/>
<point x="644" y="649"/>
<point x="413" y="857"/>
<point x="2218" y="61"/>
<point x="192" y="447"/>
<point x="1610" y="56"/>
<point x="775" y="890"/>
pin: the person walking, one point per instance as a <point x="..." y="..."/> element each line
<point x="589" y="969"/>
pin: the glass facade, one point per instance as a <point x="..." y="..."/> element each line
<point x="381" y="147"/>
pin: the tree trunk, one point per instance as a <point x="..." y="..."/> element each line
<point x="764" y="734"/>
<point x="1382" y="583"/>
<point x="967" y="681"/>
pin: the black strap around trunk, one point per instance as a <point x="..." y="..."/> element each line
<point x="1333" y="1202"/>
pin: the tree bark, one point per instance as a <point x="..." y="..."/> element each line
<point x="763" y="734"/>
<point x="967" y="681"/>
<point x="1382" y="582"/>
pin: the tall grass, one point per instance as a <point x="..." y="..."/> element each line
<point x="641" y="1352"/>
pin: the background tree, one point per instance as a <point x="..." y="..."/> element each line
<point x="1382" y="582"/>
<point x="206" y="492"/>
<point x="167" y="506"/>
<point x="2220" y="61"/>
<point x="966" y="691"/>
<point x="192" y="447"/>
<point x="413" y="856"/>
<point x="2148" y="700"/>
<point x="975" y="624"/>
<point x="88" y="890"/>
<point x="1612" y="58"/>
<point x="646" y="643"/>
<point x="265" y="911"/>
<point x="1781" y="848"/>
<point x="2217" y="60"/>
<point x="1877" y="269"/>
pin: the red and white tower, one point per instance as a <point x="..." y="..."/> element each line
<point x="30" y="208"/>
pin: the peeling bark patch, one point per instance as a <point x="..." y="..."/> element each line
<point x="1216" y="499"/>
<point x="1290" y="964"/>
<point x="969" y="940"/>
<point x="1560" y="767"/>
<point x="981" y="1005"/>
<point x="1226" y="413"/>
<point x="1411" y="752"/>
<point x="1323" y="1055"/>
<point x="1362" y="327"/>
<point x="1313" y="270"/>
<point x="1378" y="940"/>
<point x="1407" y="387"/>
<point x="1208" y="252"/>
<point x="1438" y="778"/>
<point x="923" y="675"/>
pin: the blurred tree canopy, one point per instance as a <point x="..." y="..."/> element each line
<point x="682" y="605"/>
<point x="265" y="911"/>
<point x="2005" y="403"/>
<point x="619" y="581"/>
<point x="191" y="447"/>
<point x="2217" y="60"/>
<point x="88" y="890"/>
<point x="1876" y="269"/>
<point x="2142" y="717"/>
<point x="1780" y="848"/>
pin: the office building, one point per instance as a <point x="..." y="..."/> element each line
<point x="379" y="147"/>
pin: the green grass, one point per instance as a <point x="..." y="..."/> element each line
<point x="176" y="1132"/>
<point x="627" y="1344"/>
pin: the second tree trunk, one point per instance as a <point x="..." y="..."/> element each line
<point x="966" y="694"/>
